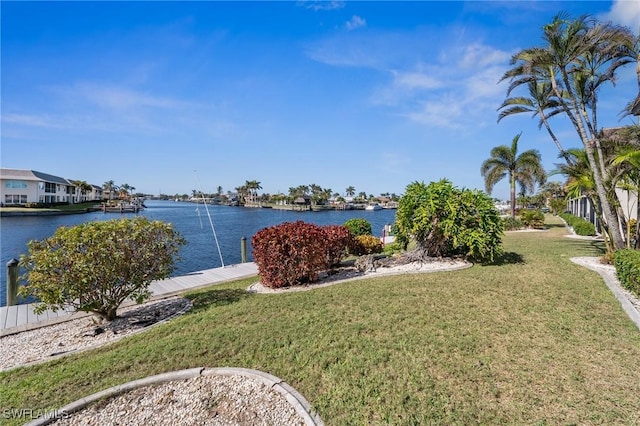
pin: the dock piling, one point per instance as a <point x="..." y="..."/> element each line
<point x="243" y="249"/>
<point x="12" y="282"/>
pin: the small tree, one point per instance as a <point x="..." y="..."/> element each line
<point x="94" y="267"/>
<point x="447" y="221"/>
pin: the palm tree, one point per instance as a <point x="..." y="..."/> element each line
<point x="350" y="191"/>
<point x="580" y="182"/>
<point x="110" y="187"/>
<point x="252" y="187"/>
<point x="524" y="169"/>
<point x="82" y="187"/>
<point x="578" y="58"/>
<point x="538" y="103"/>
<point x="124" y="190"/>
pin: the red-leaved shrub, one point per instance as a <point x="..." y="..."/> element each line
<point x="338" y="238"/>
<point x="294" y="252"/>
<point x="289" y="253"/>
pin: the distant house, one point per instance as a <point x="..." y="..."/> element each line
<point x="303" y="201"/>
<point x="20" y="187"/>
<point x="96" y="194"/>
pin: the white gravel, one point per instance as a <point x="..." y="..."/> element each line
<point x="44" y="343"/>
<point x="351" y="273"/>
<point x="204" y="400"/>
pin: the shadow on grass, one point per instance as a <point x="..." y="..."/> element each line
<point x="554" y="225"/>
<point x="585" y="247"/>
<point x="507" y="258"/>
<point x="216" y="297"/>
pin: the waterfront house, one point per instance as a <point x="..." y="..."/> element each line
<point x="22" y="187"/>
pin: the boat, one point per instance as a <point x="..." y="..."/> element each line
<point x="374" y="206"/>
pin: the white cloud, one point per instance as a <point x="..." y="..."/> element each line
<point x="477" y="55"/>
<point x="416" y="80"/>
<point x="625" y="12"/>
<point x="31" y="120"/>
<point x="406" y="85"/>
<point x="445" y="111"/>
<point x="448" y="84"/>
<point x="118" y="98"/>
<point x="355" y="22"/>
<point x="321" y="4"/>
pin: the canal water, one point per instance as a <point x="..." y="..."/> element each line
<point x="231" y="224"/>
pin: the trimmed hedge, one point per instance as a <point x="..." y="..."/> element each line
<point x="579" y="225"/>
<point x="627" y="263"/>
<point x="295" y="252"/>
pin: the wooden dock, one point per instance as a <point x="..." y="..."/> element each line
<point x="14" y="319"/>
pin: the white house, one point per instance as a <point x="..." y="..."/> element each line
<point x="581" y="206"/>
<point x="29" y="186"/>
<point x="96" y="193"/>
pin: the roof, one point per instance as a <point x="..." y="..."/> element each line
<point x="32" y="175"/>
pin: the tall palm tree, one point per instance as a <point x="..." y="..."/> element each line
<point x="124" y="190"/>
<point x="524" y="169"/>
<point x="539" y="103"/>
<point x="252" y="187"/>
<point x="578" y="58"/>
<point x="110" y="186"/>
<point x="350" y="191"/>
<point x="81" y="189"/>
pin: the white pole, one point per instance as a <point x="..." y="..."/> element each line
<point x="215" y="237"/>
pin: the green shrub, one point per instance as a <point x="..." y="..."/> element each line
<point x="446" y="221"/>
<point x="532" y="219"/>
<point x="358" y="226"/>
<point x="365" y="244"/>
<point x="95" y="266"/>
<point x="584" y="228"/>
<point x="512" y="223"/>
<point x="579" y="225"/>
<point x="627" y="263"/>
<point x="392" y="248"/>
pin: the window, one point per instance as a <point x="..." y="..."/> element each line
<point x="16" y="184"/>
<point x="15" y="199"/>
<point x="50" y="187"/>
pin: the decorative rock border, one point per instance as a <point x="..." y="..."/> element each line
<point x="103" y="339"/>
<point x="297" y="401"/>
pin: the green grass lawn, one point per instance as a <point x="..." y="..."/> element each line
<point x="534" y="339"/>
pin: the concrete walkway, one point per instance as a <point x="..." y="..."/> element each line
<point x="14" y="319"/>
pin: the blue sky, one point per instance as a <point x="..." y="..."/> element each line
<point x="177" y="96"/>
